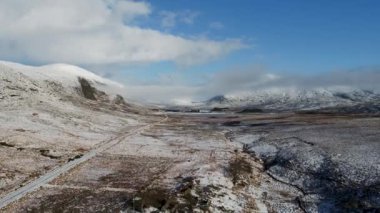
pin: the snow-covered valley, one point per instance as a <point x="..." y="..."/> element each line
<point x="132" y="158"/>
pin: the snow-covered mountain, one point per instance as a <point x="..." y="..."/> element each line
<point x="66" y="74"/>
<point x="296" y="98"/>
<point x="54" y="82"/>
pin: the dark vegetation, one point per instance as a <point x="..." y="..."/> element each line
<point x="69" y="200"/>
<point x="251" y="110"/>
<point x="238" y="168"/>
<point x="372" y="109"/>
<point x="46" y="153"/>
<point x="185" y="197"/>
<point x="172" y="110"/>
<point x="75" y="157"/>
<point x="2" y="143"/>
<point x="219" y="109"/>
<point x="232" y="123"/>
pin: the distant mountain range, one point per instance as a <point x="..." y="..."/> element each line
<point x="298" y="99"/>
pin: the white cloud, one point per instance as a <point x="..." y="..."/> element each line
<point x="171" y="19"/>
<point x="128" y="10"/>
<point x="91" y="32"/>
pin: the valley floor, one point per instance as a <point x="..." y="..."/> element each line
<point x="193" y="162"/>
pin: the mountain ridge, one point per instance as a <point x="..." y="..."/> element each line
<point x="296" y="98"/>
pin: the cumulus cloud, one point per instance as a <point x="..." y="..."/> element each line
<point x="90" y="32"/>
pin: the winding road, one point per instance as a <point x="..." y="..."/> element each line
<point x="48" y="177"/>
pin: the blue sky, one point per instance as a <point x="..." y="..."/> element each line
<point x="187" y="44"/>
<point x="295" y="36"/>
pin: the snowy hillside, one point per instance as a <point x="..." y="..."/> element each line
<point x="51" y="82"/>
<point x="295" y="98"/>
<point x="47" y="120"/>
<point x="66" y="74"/>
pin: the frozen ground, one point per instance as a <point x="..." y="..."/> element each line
<point x="196" y="163"/>
<point x="187" y="162"/>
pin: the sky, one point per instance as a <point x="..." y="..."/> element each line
<point x="181" y="51"/>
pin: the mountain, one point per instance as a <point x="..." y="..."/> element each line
<point x="51" y="115"/>
<point x="296" y="98"/>
<point x="219" y="99"/>
<point x="54" y="82"/>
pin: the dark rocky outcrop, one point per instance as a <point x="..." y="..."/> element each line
<point x="119" y="100"/>
<point x="219" y="99"/>
<point x="87" y="89"/>
<point x="90" y="92"/>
